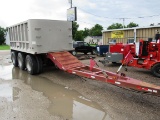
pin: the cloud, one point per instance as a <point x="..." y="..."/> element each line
<point x="49" y="9"/>
<point x="21" y="10"/>
<point x="106" y="12"/>
<point x="90" y="12"/>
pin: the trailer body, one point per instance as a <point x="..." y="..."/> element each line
<point x="38" y="36"/>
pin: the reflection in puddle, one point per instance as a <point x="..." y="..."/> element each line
<point x="8" y="92"/>
<point x="5" y="72"/>
<point x="65" y="102"/>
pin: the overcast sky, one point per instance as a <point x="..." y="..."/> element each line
<point x="89" y="12"/>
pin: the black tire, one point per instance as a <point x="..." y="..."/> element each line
<point x="156" y="70"/>
<point x="39" y="64"/>
<point x="31" y="64"/>
<point x="21" y="60"/>
<point x="85" y="53"/>
<point x="14" y="58"/>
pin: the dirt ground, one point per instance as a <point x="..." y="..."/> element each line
<point x="56" y="95"/>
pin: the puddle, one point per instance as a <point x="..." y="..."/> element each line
<point x="5" y="72"/>
<point x="65" y="102"/>
<point x="8" y="92"/>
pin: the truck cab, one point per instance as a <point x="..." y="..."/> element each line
<point x="83" y="47"/>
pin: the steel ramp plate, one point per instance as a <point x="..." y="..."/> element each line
<point x="64" y="60"/>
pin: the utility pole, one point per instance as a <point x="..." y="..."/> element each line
<point x="70" y="1"/>
<point x="123" y="22"/>
<point x="72" y="14"/>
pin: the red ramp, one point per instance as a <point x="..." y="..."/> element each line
<point x="67" y="62"/>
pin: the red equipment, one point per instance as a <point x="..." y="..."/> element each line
<point x="67" y="62"/>
<point x="118" y="51"/>
<point x="122" y="48"/>
<point x="148" y="58"/>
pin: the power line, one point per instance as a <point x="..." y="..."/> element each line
<point x="139" y="17"/>
<point x="93" y="14"/>
<point x="89" y="23"/>
<point x="121" y="18"/>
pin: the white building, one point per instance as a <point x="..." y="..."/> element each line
<point x="93" y="40"/>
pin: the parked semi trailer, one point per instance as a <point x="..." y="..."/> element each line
<point x="34" y="41"/>
<point x="31" y="40"/>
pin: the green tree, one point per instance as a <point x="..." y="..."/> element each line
<point x="132" y="24"/>
<point x="115" y="26"/>
<point x="75" y="27"/>
<point x="86" y="32"/>
<point x="79" y="36"/>
<point x="96" y="30"/>
<point x="2" y="35"/>
<point x="152" y="24"/>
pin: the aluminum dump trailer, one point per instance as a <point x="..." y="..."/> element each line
<point x="32" y="39"/>
<point x="38" y="36"/>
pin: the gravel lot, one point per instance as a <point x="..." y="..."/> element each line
<point x="117" y="103"/>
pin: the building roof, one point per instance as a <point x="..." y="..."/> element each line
<point x="95" y="37"/>
<point x="155" y="26"/>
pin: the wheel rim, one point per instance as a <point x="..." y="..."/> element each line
<point x="157" y="70"/>
<point x="28" y="65"/>
<point x="94" y="52"/>
<point x="13" y="60"/>
<point x="74" y="53"/>
<point x="20" y="62"/>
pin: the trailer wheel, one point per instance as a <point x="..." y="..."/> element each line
<point x="156" y="70"/>
<point x="74" y="53"/>
<point x="21" y="61"/>
<point x="14" y="58"/>
<point x="94" y="52"/>
<point x="31" y="64"/>
<point x="39" y="64"/>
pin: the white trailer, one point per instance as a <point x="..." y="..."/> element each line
<point x="32" y="39"/>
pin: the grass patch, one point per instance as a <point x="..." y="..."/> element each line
<point x="4" y="47"/>
<point x="93" y="45"/>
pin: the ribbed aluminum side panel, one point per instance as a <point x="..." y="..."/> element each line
<point x="41" y="36"/>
